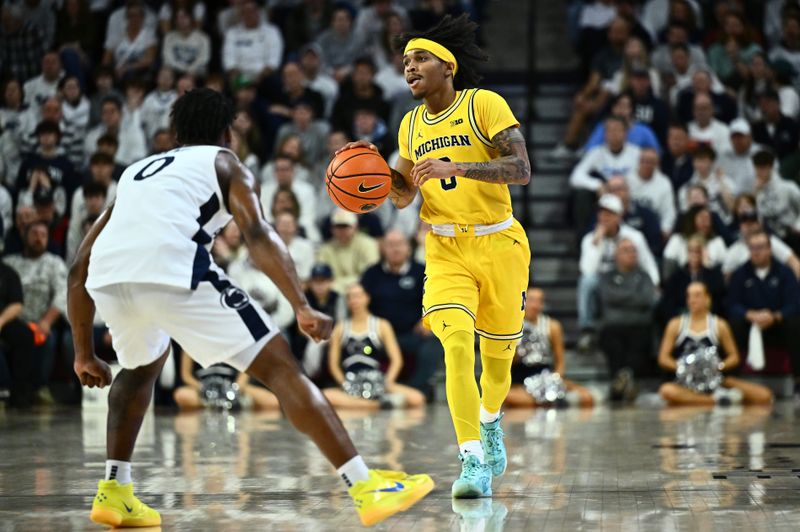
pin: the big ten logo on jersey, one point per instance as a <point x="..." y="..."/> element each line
<point x="456" y="122"/>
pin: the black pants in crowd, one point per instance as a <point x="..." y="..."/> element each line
<point x="782" y="335"/>
<point x="17" y="362"/>
<point x="627" y="346"/>
<point x="584" y="208"/>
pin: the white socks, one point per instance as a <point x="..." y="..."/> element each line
<point x="488" y="417"/>
<point x="354" y="470"/>
<point x="119" y="471"/>
<point x="472" y="447"/>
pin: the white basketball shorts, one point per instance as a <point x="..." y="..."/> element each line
<point x="217" y="322"/>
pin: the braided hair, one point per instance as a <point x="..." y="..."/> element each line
<point x="201" y="116"/>
<point x="458" y="36"/>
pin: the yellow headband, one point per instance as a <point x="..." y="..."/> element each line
<point x="435" y="48"/>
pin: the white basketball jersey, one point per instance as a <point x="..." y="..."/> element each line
<point x="168" y="210"/>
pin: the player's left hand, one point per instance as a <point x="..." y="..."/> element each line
<point x="315" y="324"/>
<point x="432" y="169"/>
<point x="92" y="371"/>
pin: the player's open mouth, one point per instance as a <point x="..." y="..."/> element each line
<point x="413" y="81"/>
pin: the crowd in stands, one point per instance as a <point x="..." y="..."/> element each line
<point x="685" y="136"/>
<point x="87" y="87"/>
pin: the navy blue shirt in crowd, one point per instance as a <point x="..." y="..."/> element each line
<point x="778" y="291"/>
<point x="647" y="222"/>
<point x="396" y="297"/>
<point x="678" y="171"/>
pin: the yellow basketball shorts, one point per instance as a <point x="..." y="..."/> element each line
<point x="485" y="276"/>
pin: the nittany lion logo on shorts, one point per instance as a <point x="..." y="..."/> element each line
<point x="235" y="298"/>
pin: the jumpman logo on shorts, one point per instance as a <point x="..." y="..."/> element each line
<point x="508" y="348"/>
<point x="444" y="325"/>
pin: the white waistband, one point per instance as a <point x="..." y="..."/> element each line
<point x="454" y="230"/>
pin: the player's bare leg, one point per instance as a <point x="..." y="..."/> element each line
<point x="303" y="403"/>
<point x="128" y="401"/>
<point x="115" y="504"/>
<point x="376" y="495"/>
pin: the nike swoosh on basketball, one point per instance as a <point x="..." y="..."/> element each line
<point x="397" y="487"/>
<point x="127" y="508"/>
<point x="362" y="188"/>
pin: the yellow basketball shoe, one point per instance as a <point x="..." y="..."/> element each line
<point x="387" y="493"/>
<point x="116" y="506"/>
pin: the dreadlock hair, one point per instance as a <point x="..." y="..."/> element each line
<point x="458" y="36"/>
<point x="201" y="116"/>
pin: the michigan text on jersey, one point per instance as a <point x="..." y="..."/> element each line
<point x="445" y="141"/>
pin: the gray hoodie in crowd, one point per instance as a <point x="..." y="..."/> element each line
<point x="626" y="298"/>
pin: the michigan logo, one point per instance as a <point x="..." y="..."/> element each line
<point x="235" y="298"/>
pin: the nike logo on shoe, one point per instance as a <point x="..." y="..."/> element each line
<point x="362" y="188"/>
<point x="127" y="507"/>
<point x="398" y="486"/>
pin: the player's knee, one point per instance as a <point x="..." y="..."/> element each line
<point x="446" y="322"/>
<point x="459" y="353"/>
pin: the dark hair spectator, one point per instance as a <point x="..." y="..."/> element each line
<point x="763" y="298"/>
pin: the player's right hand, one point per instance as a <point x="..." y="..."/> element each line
<point x="92" y="372"/>
<point x="315" y="324"/>
<point x="357" y="144"/>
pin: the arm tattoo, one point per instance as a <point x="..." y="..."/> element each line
<point x="399" y="185"/>
<point x="512" y="167"/>
<point x="401" y="193"/>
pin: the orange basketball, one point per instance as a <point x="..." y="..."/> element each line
<point x="358" y="180"/>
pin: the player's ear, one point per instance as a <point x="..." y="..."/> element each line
<point x="448" y="69"/>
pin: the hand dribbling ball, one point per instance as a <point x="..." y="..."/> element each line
<point x="358" y="180"/>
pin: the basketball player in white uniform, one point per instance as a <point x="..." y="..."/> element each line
<point x="146" y="265"/>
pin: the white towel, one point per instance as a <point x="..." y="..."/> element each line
<point x="755" y="349"/>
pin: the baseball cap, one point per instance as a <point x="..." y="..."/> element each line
<point x="343" y="217"/>
<point x="740" y="126"/>
<point x="311" y="47"/>
<point x="612" y="203"/>
<point x="242" y="82"/>
<point x="747" y="216"/>
<point x="640" y="69"/>
<point x="321" y="271"/>
<point x="43" y="196"/>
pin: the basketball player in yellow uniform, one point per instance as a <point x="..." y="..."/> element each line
<point x="462" y="148"/>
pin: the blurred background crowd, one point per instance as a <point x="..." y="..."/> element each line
<point x="87" y="87"/>
<point x="684" y="138"/>
<point x="682" y="148"/>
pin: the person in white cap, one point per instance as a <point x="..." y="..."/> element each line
<point x="349" y="252"/>
<point x="597" y="257"/>
<point x="737" y="162"/>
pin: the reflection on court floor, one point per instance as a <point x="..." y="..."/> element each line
<point x="609" y="469"/>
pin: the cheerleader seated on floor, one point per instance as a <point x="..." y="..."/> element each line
<point x="219" y="386"/>
<point x="364" y="358"/>
<point x="692" y="349"/>
<point x="536" y="374"/>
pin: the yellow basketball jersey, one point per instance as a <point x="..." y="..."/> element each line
<point x="461" y="133"/>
